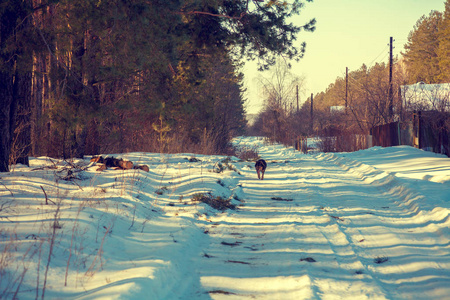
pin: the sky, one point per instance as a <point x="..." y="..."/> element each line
<point x="349" y="33"/>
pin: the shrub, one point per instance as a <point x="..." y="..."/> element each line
<point x="248" y="154"/>
<point x="224" y="164"/>
<point x="217" y="202"/>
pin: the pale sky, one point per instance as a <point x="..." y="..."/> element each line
<point x="348" y="33"/>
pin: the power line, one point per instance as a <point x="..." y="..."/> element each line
<point x="384" y="51"/>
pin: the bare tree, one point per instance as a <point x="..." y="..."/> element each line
<point x="279" y="90"/>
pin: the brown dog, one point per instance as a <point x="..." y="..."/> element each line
<point x="260" y="167"/>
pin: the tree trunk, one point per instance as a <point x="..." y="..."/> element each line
<point x="22" y="120"/>
<point x="9" y="17"/>
<point x="7" y="110"/>
<point x="22" y="95"/>
<point x="77" y="95"/>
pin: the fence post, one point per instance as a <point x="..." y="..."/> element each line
<point x="305" y="145"/>
<point x="415" y="130"/>
<point x="419" y="130"/>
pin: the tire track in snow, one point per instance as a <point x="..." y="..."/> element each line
<point x="322" y="237"/>
<point x="245" y="247"/>
<point x="344" y="256"/>
<point x="280" y="238"/>
<point x="408" y="238"/>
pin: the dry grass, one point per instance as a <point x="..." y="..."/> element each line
<point x="30" y="258"/>
<point x="247" y="154"/>
<point x="217" y="202"/>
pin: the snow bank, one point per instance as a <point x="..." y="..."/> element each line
<point x="373" y="224"/>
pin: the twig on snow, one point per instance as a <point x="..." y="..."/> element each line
<point x="46" y="198"/>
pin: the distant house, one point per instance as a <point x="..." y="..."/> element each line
<point x="337" y="109"/>
<point x="426" y="97"/>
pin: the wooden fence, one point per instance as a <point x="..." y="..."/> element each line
<point x="422" y="133"/>
<point x="301" y="144"/>
<point x="393" y="134"/>
<point x="425" y="131"/>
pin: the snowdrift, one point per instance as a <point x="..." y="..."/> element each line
<point x="373" y="224"/>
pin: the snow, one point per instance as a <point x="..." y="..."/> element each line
<point x="427" y="96"/>
<point x="372" y="224"/>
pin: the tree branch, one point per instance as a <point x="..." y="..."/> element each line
<point x="195" y="12"/>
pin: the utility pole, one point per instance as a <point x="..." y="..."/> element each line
<point x="297" y="97"/>
<point x="400" y="101"/>
<point x="391" y="93"/>
<point x="311" y="115"/>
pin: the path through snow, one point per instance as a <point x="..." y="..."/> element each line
<point x="367" y="225"/>
<point x="320" y="229"/>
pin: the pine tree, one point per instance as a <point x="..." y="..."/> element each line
<point x="103" y="68"/>
<point x="421" y="55"/>
<point x="15" y="81"/>
<point x="444" y="46"/>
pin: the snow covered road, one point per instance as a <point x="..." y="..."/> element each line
<point x="367" y="225"/>
<point x="317" y="229"/>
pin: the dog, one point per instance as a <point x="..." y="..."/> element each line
<point x="260" y="167"/>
